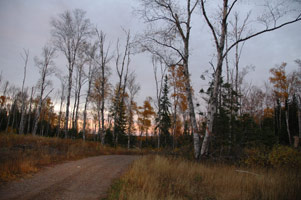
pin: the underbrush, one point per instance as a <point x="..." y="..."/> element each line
<point x="21" y="155"/>
<point x="158" y="177"/>
<point x="277" y="157"/>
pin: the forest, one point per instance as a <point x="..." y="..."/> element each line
<point x="93" y="107"/>
<point x="90" y="103"/>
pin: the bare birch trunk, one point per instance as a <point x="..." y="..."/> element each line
<point x="78" y="101"/>
<point x="68" y="99"/>
<point x="58" y="130"/>
<point x="29" y="111"/>
<point x="287" y="126"/>
<point x="103" y="97"/>
<point x="213" y="100"/>
<point x="38" y="114"/>
<point x="21" y="126"/>
<point x="87" y="101"/>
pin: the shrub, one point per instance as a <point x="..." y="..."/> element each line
<point x="284" y="156"/>
<point x="278" y="156"/>
<point x="256" y="157"/>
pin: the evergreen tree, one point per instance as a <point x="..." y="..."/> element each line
<point x="118" y="112"/>
<point x="163" y="119"/>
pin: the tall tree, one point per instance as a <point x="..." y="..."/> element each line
<point x="12" y="108"/>
<point x="159" y="75"/>
<point x="122" y="64"/>
<point x="69" y="32"/>
<point x="133" y="89"/>
<point x="25" y="58"/>
<point x="175" y="37"/>
<point x="90" y="52"/>
<point x="102" y="60"/>
<point x="80" y="79"/>
<point x="98" y="96"/>
<point x="297" y="92"/>
<point x="29" y="111"/>
<point x="62" y="100"/>
<point x="164" y="113"/>
<point x="45" y="66"/>
<point x="270" y="19"/>
<point x="177" y="81"/>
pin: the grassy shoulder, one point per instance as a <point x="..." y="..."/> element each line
<point x="158" y="177"/>
<point x="21" y="155"/>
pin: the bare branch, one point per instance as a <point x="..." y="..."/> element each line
<point x="209" y="24"/>
<point x="261" y="32"/>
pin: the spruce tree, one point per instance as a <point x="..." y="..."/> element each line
<point x="163" y="119"/>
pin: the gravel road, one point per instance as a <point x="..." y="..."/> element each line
<point x="88" y="178"/>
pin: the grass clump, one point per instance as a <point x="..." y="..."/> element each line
<point x="157" y="177"/>
<point x="26" y="154"/>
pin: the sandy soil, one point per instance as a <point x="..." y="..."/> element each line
<point x="89" y="178"/>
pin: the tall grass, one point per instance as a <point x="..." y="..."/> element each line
<point x="21" y="155"/>
<point x="157" y="177"/>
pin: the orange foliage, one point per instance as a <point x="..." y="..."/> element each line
<point x="178" y="83"/>
<point x="145" y="114"/>
<point x="279" y="81"/>
<point x="268" y="112"/>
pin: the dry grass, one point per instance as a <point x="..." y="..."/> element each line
<point x="22" y="155"/>
<point x="157" y="177"/>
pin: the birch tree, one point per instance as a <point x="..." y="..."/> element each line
<point x="80" y="81"/>
<point x="159" y="69"/>
<point x="133" y="89"/>
<point x="29" y="111"/>
<point x="45" y="66"/>
<point x="90" y="53"/>
<point x="25" y="59"/>
<point x="297" y="91"/>
<point x="170" y="28"/>
<point x="122" y="63"/>
<point x="271" y="19"/>
<point x="62" y="100"/>
<point x="69" y="32"/>
<point x="13" y="98"/>
<point x="102" y="60"/>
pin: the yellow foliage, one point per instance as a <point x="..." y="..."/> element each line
<point x="279" y="156"/>
<point x="256" y="157"/>
<point x="284" y="156"/>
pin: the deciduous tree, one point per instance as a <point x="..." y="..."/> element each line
<point x="45" y="66"/>
<point x="69" y="32"/>
<point x="270" y="19"/>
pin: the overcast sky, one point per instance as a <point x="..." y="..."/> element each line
<point x="26" y="24"/>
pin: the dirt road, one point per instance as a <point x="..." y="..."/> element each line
<point x="89" y="178"/>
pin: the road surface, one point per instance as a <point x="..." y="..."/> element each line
<point x="88" y="178"/>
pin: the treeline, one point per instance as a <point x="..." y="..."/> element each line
<point x="89" y="106"/>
